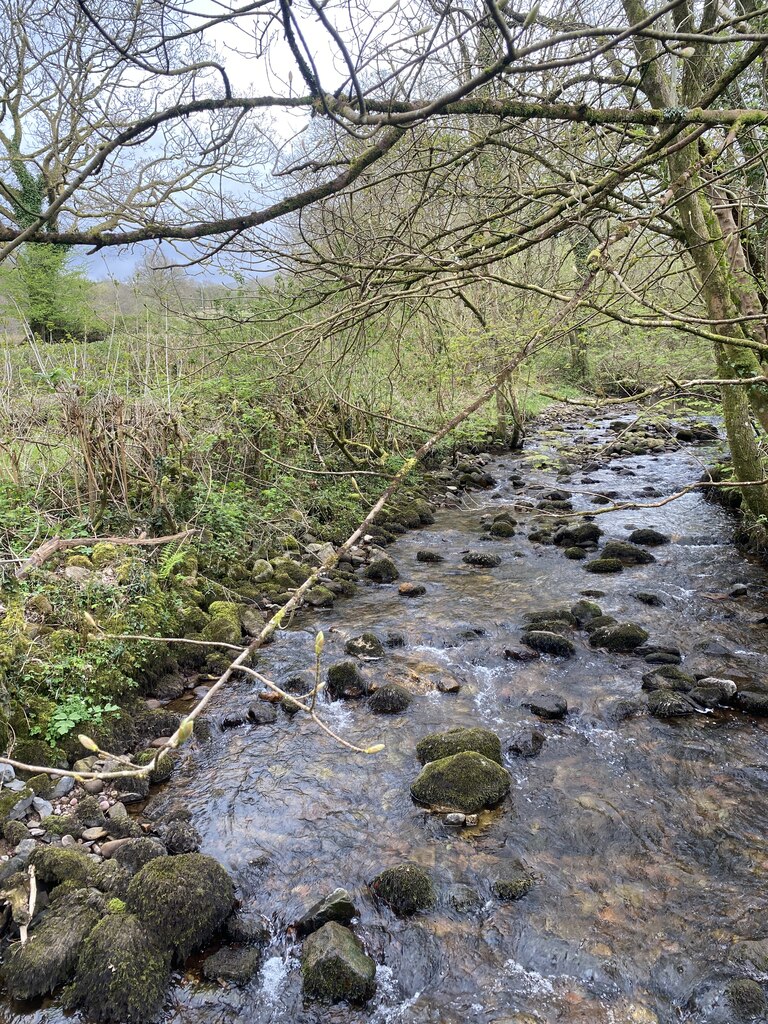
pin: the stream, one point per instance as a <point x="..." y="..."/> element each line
<point x="647" y="836"/>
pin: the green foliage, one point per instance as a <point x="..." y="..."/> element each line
<point x="76" y="709"/>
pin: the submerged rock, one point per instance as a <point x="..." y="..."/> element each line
<point x="390" y="699"/>
<point x="668" y="677"/>
<point x="464" y="899"/>
<point x="585" y="611"/>
<point x="546" y="705"/>
<point x="646" y="597"/>
<point x="752" y="702"/>
<point x="407" y="889"/>
<point x="551" y="615"/>
<point x="515" y="883"/>
<point x="549" y="643"/>
<point x="122" y="972"/>
<point x="345" y="682"/>
<point x="336" y="906"/>
<point x="335" y="967"/>
<point x="366" y="646"/>
<point x="481" y="559"/>
<point x="526" y="742"/>
<point x="181" y="900"/>
<point x="234" y="966"/>
<point x="619" y="639"/>
<point x="467" y="782"/>
<point x="443" y="744"/>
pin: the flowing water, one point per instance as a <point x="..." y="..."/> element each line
<point x="647" y="836"/>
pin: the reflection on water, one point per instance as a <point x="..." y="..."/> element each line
<point x="647" y="835"/>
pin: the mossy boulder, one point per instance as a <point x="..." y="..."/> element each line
<point x="224" y="623"/>
<point x="669" y="677"/>
<point x="390" y="699"/>
<point x="547" y="615"/>
<point x="619" y="639"/>
<point x="366" y="646"/>
<point x="232" y="966"/>
<point x="605" y="566"/>
<point x="407" y="889"/>
<point x="56" y="864"/>
<point x="382" y="570"/>
<point x="122" y="972"/>
<point x="104" y="554"/>
<point x="134" y="854"/>
<point x="466" y="782"/>
<point x="482" y="559"/>
<point x="645" y="535"/>
<point x="546" y="642"/>
<point x="345" y="681"/>
<point x="746" y="998"/>
<point x="79" y="562"/>
<point x="628" y="553"/>
<point x="438" y="745"/>
<point x="335" y="967"/>
<point x="502" y="528"/>
<point x="577" y="536"/>
<point x="586" y="611"/>
<point x="49" y="958"/>
<point x="181" y="900"/>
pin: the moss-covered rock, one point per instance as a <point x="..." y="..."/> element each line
<point x="366" y="646"/>
<point x="104" y="554"/>
<point x="406" y="888"/>
<point x="135" y="853"/>
<point x="335" y="967"/>
<point x="577" y="536"/>
<point x="57" y="864"/>
<point x="585" y="611"/>
<point x="345" y="681"/>
<point x="619" y="639"/>
<point x="438" y="745"/>
<point x="646" y="535"/>
<point x="547" y="615"/>
<point x="746" y="998"/>
<point x="181" y="900"/>
<point x="465" y="782"/>
<point x="164" y="767"/>
<point x="605" y="566"/>
<point x="628" y="553"/>
<point x="390" y="699"/>
<point x="546" y="642"/>
<point x="223" y="625"/>
<point x="382" y="570"/>
<point x="514" y="883"/>
<point x="14" y="832"/>
<point x="79" y="562"/>
<point x="669" y="677"/>
<point x="122" y="972"/>
<point x="49" y="958"/>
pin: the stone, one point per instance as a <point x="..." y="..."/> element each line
<point x="621" y="638"/>
<point x="575" y="554"/>
<point x="63" y="787"/>
<point x="246" y="929"/>
<point x="526" y="742"/>
<point x="233" y="966"/>
<point x="367" y="647"/>
<point x="646" y="597"/>
<point x="628" y="553"/>
<point x="752" y="702"/>
<point x="411" y="590"/>
<point x="605" y="566"/>
<point x="553" y="644"/>
<point x="577" y="536"/>
<point x="261" y="713"/>
<point x="390" y="699"/>
<point x="446" y="684"/>
<point x="467" y="782"/>
<point x="92" y="835"/>
<point x="382" y="570"/>
<point x="464" y="899"/>
<point x="738" y="590"/>
<point x="134" y="854"/>
<point x="42" y="807"/>
<point x="669" y="704"/>
<point x="746" y="998"/>
<point x="515" y="883"/>
<point x="546" y="705"/>
<point x="519" y="653"/>
<point x="455" y="819"/>
<point x="668" y="677"/>
<point x="429" y="556"/>
<point x="181" y="837"/>
<point x="407" y="889"/>
<point x="345" y="682"/>
<point x="336" y="906"/>
<point x="93" y="786"/>
<point x="649" y="537"/>
<point x="481" y="559"/>
<point x="437" y="745"/>
<point x="109" y="848"/>
<point x="336" y="968"/>
<point x="584" y="612"/>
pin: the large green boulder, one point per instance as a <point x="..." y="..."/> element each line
<point x="442" y="744"/>
<point x="465" y="782"/>
<point x="335" y="966"/>
<point x="182" y="901"/>
<point x="405" y="888"/>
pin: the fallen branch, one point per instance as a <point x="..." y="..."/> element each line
<point x="49" y="547"/>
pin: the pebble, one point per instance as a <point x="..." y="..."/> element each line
<point x="153" y="704"/>
<point x="42" y="807"/>
<point x="68" y="841"/>
<point x="90" y="835"/>
<point x="103" y="805"/>
<point x="455" y="818"/>
<point x="108" y="849"/>
<point x="117" y="811"/>
<point x="160" y="741"/>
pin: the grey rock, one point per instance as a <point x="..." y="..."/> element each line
<point x="526" y="742"/>
<point x="63" y="787"/>
<point x="546" y="705"/>
<point x="42" y="807"/>
<point x="336" y="906"/>
<point x="335" y="967"/>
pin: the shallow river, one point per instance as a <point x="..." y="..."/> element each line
<point x="647" y="836"/>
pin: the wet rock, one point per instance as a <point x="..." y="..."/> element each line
<point x="553" y="644"/>
<point x="446" y="684"/>
<point x="345" y="681"/>
<point x="407" y="889"/>
<point x="515" y="883"/>
<point x="646" y="597"/>
<point x="577" y="536"/>
<point x="526" y="742"/>
<point x="335" y="967"/>
<point x="260" y="712"/>
<point x="622" y="708"/>
<point x="649" y="537"/>
<point x="181" y="837"/>
<point x="429" y="556"/>
<point x="746" y="998"/>
<point x="752" y="702"/>
<point x="627" y="553"/>
<point x="49" y="959"/>
<point x="622" y="638"/>
<point x="546" y="705"/>
<point x="336" y="906"/>
<point x="519" y="653"/>
<point x="390" y="699"/>
<point x="135" y="853"/>
<point x="547" y="615"/>
<point x="481" y="559"/>
<point x="367" y="646"/>
<point x="464" y="899"/>
<point x="438" y="745"/>
<point x="54" y="865"/>
<point x="605" y="566"/>
<point x="181" y="900"/>
<point x="233" y="966"/>
<point x="382" y="570"/>
<point x="246" y="929"/>
<point x="726" y="687"/>
<point x="585" y="611"/>
<point x="467" y="782"/>
<point x="710" y="695"/>
<point x="501" y="528"/>
<point x="738" y="590"/>
<point x="669" y="677"/>
<point x="575" y="554"/>
<point x="750" y="957"/>
<point x="660" y="654"/>
<point x="669" y="704"/>
<point x="122" y="973"/>
<point x="395" y="640"/>
<point x="411" y="590"/>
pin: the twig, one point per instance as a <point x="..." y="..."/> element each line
<point x="32" y="901"/>
<point x="49" y="547"/>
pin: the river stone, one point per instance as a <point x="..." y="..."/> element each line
<point x="246" y="929"/>
<point x="526" y="742"/>
<point x="135" y="853"/>
<point x="382" y="570"/>
<point x="576" y="554"/>
<point x="707" y="696"/>
<point x="345" y="681"/>
<point x="411" y="590"/>
<point x="585" y="611"/>
<point x="546" y="705"/>
<point x="726" y="687"/>
<point x="181" y="837"/>
<point x="446" y="684"/>
<point x="646" y="597"/>
<point x="577" y="536"/>
<point x="335" y="967"/>
<point x="482" y="559"/>
<point x="501" y="528"/>
<point x="628" y="553"/>
<point x="438" y="745"/>
<point x="40" y="966"/>
<point x="465" y="782"/>
<point x="516" y="652"/>
<point x="63" y="787"/>
<point x="366" y="646"/>
<point x="669" y="677"/>
<point x="605" y="566"/>
<point x="551" y="615"/>
<point x="669" y="704"/>
<point x="514" y="883"/>
<point x="234" y="966"/>
<point x="390" y="699"/>
<point x="549" y="643"/>
<point x="261" y="712"/>
<point x="649" y="537"/>
<point x="751" y="702"/>
<point x="746" y="998"/>
<point x="619" y="639"/>
<point x="122" y="973"/>
<point x="429" y="556"/>
<point x="464" y="899"/>
<point x="336" y="906"/>
<point x="750" y="957"/>
<point x="407" y="889"/>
